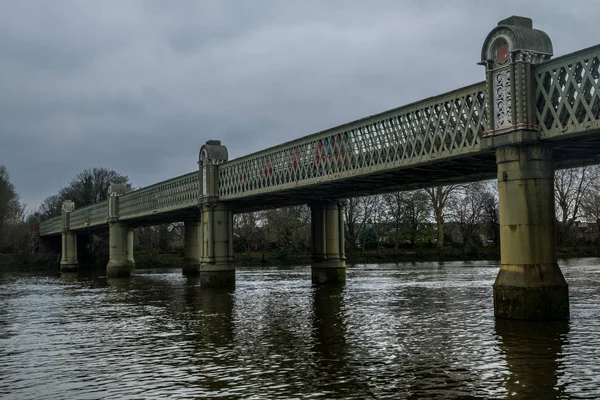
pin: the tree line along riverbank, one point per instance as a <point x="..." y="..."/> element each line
<point x="49" y="262"/>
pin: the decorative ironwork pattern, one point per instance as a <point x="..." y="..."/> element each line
<point x="173" y="194"/>
<point x="502" y="98"/>
<point x="443" y="126"/>
<point x="568" y="93"/>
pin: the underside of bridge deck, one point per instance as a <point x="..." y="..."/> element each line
<point x="576" y="150"/>
<point x="478" y="167"/>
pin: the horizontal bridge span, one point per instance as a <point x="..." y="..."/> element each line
<point x="447" y="126"/>
<point x="173" y="199"/>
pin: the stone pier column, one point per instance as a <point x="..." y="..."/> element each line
<point x="216" y="233"/>
<point x="193" y="247"/>
<point x="328" y="256"/>
<point x="120" y="264"/>
<point x="68" y="260"/>
<point x="216" y="267"/>
<point x="120" y="260"/>
<point x="530" y="285"/>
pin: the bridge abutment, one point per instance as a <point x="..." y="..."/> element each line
<point x="120" y="252"/>
<point x="327" y="230"/>
<point x="68" y="260"/>
<point x="530" y="284"/>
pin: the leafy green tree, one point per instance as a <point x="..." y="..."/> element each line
<point x="90" y="186"/>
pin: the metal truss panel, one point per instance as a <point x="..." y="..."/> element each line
<point x="173" y="194"/>
<point x="568" y="94"/>
<point x="448" y="125"/>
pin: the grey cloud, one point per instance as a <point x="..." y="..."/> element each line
<point x="138" y="86"/>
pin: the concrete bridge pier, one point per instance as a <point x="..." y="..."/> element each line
<point x="120" y="261"/>
<point x="120" y="258"/>
<point x="216" y="268"/>
<point x="328" y="255"/>
<point x="192" y="247"/>
<point x="529" y="285"/>
<point x="68" y="259"/>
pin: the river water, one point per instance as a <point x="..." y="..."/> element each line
<point x="398" y="331"/>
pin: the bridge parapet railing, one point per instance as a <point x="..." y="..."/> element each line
<point x="93" y="215"/>
<point x="50" y="226"/>
<point x="568" y="93"/>
<point x="446" y="125"/>
<point x="177" y="193"/>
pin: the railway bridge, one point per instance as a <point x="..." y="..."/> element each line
<point x="532" y="114"/>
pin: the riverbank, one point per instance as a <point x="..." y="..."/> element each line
<point x="50" y="262"/>
<point x="29" y="262"/>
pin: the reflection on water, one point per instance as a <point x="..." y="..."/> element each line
<point x="532" y="352"/>
<point x="406" y="331"/>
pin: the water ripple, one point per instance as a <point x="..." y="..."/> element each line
<point x="422" y="330"/>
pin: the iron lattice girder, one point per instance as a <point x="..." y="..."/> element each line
<point x="174" y="194"/>
<point x="448" y="125"/>
<point x="568" y="93"/>
<point x="437" y="136"/>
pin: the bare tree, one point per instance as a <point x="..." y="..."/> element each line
<point x="407" y="214"/>
<point x="288" y="227"/>
<point x="376" y="221"/>
<point x="358" y="210"/>
<point x="439" y="196"/>
<point x="468" y="210"/>
<point x="590" y="204"/>
<point x="570" y="187"/>
<point x="247" y="232"/>
<point x="491" y="212"/>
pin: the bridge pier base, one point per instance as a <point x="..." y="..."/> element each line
<point x="327" y="229"/>
<point x="120" y="262"/>
<point x="192" y="247"/>
<point x="68" y="260"/>
<point x="529" y="285"/>
<point x="216" y="268"/>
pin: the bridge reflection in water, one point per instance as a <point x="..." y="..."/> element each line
<point x="532" y="351"/>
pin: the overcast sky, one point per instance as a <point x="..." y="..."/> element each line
<point x="139" y="86"/>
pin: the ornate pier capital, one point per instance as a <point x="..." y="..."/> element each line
<point x="508" y="53"/>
